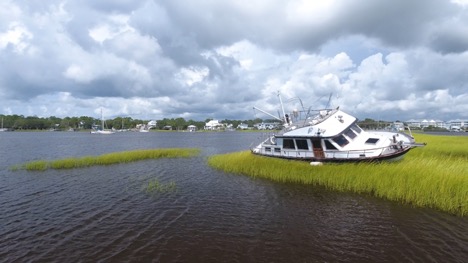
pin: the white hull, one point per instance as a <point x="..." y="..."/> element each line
<point x="103" y="132"/>
<point x="3" y="129"/>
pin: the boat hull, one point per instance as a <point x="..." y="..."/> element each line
<point x="105" y="132"/>
<point x="386" y="157"/>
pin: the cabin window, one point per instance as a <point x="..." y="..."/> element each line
<point x="356" y="128"/>
<point x="288" y="144"/>
<point x="277" y="150"/>
<point x="329" y="145"/>
<point x="350" y="133"/>
<point x="302" y="145"/>
<point x="372" y="140"/>
<point x="267" y="149"/>
<point x="341" y="140"/>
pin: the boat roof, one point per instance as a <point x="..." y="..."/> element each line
<point x="327" y="123"/>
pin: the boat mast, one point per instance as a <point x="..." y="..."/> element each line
<point x="102" y="121"/>
<point x="285" y="118"/>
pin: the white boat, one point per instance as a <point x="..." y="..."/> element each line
<point x="107" y="131"/>
<point x="146" y="127"/>
<point x="3" y="129"/>
<point x="331" y="135"/>
<point x="102" y="129"/>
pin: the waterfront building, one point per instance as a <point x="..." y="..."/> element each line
<point x="425" y="123"/>
<point x="213" y="125"/>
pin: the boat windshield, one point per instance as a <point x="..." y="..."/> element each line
<point x="356" y="128"/>
<point x="350" y="133"/>
<point x="341" y="140"/>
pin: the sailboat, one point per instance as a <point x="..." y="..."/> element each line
<point x="103" y="130"/>
<point x="3" y="129"/>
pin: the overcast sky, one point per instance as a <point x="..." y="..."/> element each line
<point x="155" y="59"/>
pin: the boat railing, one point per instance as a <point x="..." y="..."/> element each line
<point x="349" y="154"/>
<point x="301" y="119"/>
<point x="266" y="138"/>
<point x="373" y="152"/>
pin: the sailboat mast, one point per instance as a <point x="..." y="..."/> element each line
<point x="102" y="121"/>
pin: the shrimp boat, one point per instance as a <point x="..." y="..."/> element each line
<point x="331" y="135"/>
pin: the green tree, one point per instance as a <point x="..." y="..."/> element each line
<point x="180" y="124"/>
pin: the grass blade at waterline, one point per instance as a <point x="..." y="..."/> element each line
<point x="109" y="158"/>
<point x="434" y="176"/>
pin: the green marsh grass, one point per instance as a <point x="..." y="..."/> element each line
<point x="154" y="186"/>
<point x="108" y="159"/>
<point x="435" y="176"/>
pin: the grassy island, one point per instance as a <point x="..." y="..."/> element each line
<point x="434" y="176"/>
<point x="108" y="159"/>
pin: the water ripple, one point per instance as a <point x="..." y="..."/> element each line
<point x="103" y="214"/>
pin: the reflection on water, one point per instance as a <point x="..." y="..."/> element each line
<point x="104" y="213"/>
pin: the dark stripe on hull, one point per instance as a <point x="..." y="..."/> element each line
<point x="345" y="160"/>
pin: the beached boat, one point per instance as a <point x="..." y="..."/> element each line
<point x="331" y="135"/>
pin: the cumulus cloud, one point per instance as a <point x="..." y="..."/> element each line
<point x="217" y="59"/>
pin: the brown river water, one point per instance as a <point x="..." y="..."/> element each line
<point x="105" y="214"/>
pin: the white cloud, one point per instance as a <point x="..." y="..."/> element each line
<point x="18" y="36"/>
<point x="78" y="73"/>
<point x="114" y="26"/>
<point x="174" y="58"/>
<point x="190" y="76"/>
<point x="132" y="45"/>
<point x="463" y="3"/>
<point x="304" y="12"/>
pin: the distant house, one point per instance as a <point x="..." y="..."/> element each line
<point x="266" y="126"/>
<point x="213" y="125"/>
<point x="243" y="126"/>
<point x="191" y="128"/>
<point x="458" y="124"/>
<point x="146" y="127"/>
<point x="425" y="123"/>
<point x="152" y="124"/>
<point x="413" y="123"/>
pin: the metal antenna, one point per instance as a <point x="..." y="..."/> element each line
<point x="329" y="100"/>
<point x="282" y="108"/>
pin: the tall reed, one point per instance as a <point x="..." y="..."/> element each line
<point x="109" y="158"/>
<point x="435" y="176"/>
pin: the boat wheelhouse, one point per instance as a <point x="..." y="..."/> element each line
<point x="331" y="135"/>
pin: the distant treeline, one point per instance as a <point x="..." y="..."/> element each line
<point x="20" y="122"/>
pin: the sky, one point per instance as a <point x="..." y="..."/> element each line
<point x="213" y="59"/>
